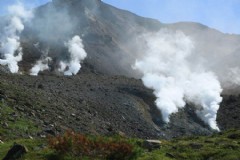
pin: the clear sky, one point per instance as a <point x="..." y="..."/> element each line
<point x="223" y="15"/>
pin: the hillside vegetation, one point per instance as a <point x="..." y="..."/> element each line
<point x="73" y="146"/>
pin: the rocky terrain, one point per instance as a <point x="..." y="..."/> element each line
<point x="106" y="97"/>
<point x="98" y="104"/>
<point x="109" y="35"/>
<point x="92" y="103"/>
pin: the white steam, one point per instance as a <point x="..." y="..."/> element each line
<point x="43" y="63"/>
<point x="167" y="69"/>
<point x="77" y="55"/>
<point x="10" y="48"/>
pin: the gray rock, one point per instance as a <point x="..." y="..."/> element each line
<point x="151" y="144"/>
<point x="234" y="136"/>
<point x="170" y="155"/>
<point x="196" y="145"/>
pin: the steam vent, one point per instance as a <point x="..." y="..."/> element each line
<point x="86" y="66"/>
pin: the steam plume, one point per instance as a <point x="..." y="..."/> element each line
<point x="10" y="48"/>
<point x="77" y="54"/>
<point x="167" y="70"/>
<point x="42" y="64"/>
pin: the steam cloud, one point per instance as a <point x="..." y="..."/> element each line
<point x="10" y="48"/>
<point x="42" y="64"/>
<point x="70" y="67"/>
<point x="77" y="55"/>
<point x="167" y="69"/>
<point x="178" y="70"/>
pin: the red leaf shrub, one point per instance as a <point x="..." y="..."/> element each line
<point x="82" y="146"/>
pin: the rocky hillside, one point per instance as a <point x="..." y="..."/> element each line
<point x="95" y="104"/>
<point x="106" y="97"/>
<point x="108" y="34"/>
<point x="88" y="103"/>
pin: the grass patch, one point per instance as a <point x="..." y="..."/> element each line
<point x="220" y="146"/>
<point x="72" y="146"/>
<point x="37" y="148"/>
<point x="13" y="125"/>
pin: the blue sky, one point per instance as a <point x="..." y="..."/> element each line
<point x="223" y="15"/>
<point x="29" y="3"/>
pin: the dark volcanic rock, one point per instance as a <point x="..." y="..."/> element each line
<point x="102" y="28"/>
<point x="196" y="145"/>
<point x="106" y="32"/>
<point x="94" y="104"/>
<point x="16" y="152"/>
<point x="97" y="101"/>
<point x="151" y="144"/>
<point x="228" y="114"/>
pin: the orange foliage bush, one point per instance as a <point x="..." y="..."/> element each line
<point x="82" y="146"/>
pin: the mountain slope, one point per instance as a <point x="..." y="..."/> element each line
<point x="93" y="104"/>
<point x="104" y="98"/>
<point x="108" y="34"/>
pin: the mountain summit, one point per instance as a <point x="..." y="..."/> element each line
<point x="107" y="96"/>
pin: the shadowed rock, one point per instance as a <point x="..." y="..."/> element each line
<point x="152" y="144"/>
<point x="16" y="152"/>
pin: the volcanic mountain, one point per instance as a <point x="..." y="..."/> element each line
<point x="107" y="96"/>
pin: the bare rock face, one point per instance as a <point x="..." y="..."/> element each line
<point x="107" y="33"/>
<point x="103" y="28"/>
<point x="228" y="114"/>
<point x="89" y="3"/>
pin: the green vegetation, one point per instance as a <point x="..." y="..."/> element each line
<point x="94" y="147"/>
<point x="37" y="149"/>
<point x="13" y="94"/>
<point x="14" y="125"/>
<point x="221" y="146"/>
<point x="72" y="146"/>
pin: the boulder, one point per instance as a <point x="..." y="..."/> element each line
<point x="152" y="144"/>
<point x="196" y="145"/>
<point x="234" y="136"/>
<point x="16" y="152"/>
